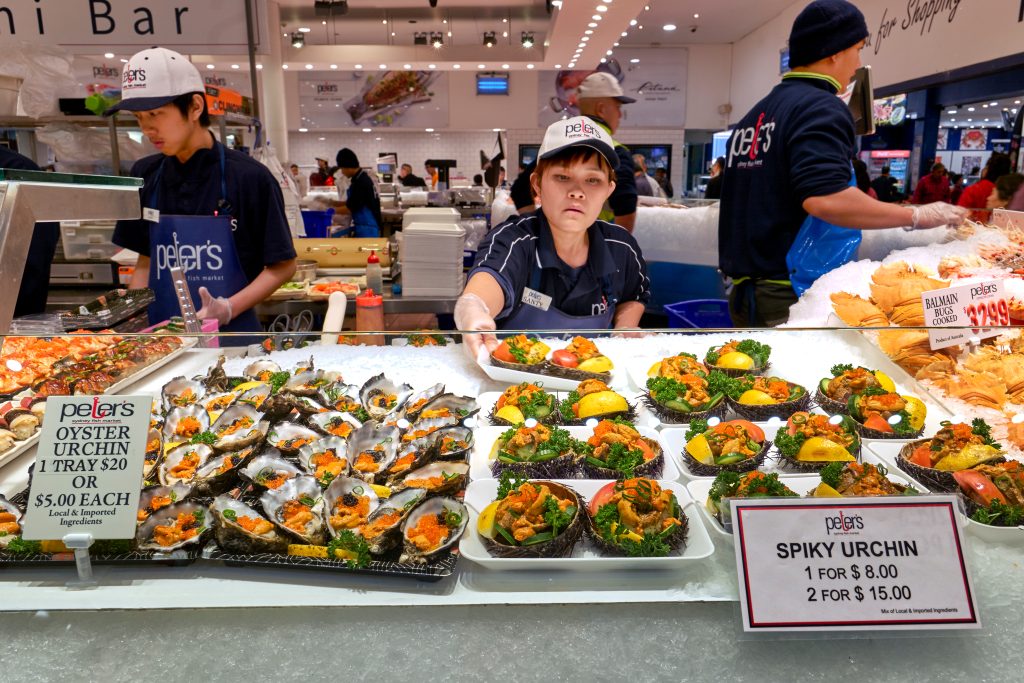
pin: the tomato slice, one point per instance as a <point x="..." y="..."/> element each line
<point x="878" y="423"/>
<point x="645" y="448"/>
<point x="922" y="456"/>
<point x="503" y="354"/>
<point x="566" y="359"/>
<point x="755" y="432"/>
<point x="602" y="497"/>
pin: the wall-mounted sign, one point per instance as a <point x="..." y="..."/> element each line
<point x="414" y="99"/>
<point x="132" y="25"/>
<point x="890" y="111"/>
<point x="656" y="79"/>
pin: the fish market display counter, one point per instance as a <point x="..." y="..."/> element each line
<point x="480" y="623"/>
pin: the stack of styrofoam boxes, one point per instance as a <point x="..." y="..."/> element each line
<point x="432" y="244"/>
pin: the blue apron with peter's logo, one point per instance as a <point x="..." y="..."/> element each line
<point x="528" y="316"/>
<point x="204" y="248"/>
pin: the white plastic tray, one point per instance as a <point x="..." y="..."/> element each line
<point x="485" y="436"/>
<point x="548" y="381"/>
<point x="585" y="555"/>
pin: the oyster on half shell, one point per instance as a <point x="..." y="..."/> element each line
<point x="431" y="528"/>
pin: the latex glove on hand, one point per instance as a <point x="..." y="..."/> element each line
<point x="214" y="307"/>
<point x="936" y="215"/>
<point x="472" y="315"/>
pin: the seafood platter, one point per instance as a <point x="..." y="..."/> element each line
<point x="75" y="365"/>
<point x="296" y="468"/>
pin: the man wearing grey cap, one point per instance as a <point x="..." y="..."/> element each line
<point x="788" y="196"/>
<point x="600" y="98"/>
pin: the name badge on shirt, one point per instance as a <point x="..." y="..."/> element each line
<point x="151" y="215"/>
<point x="532" y="297"/>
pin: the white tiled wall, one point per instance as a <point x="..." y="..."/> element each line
<point x="463" y="146"/>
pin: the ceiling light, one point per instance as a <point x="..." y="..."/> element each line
<point x="235" y="66"/>
<point x="308" y="66"/>
<point x="323" y="23"/>
<point x="951" y="111"/>
<point x="298" y="39"/>
<point x="984" y="106"/>
<point x="558" y="66"/>
<point x="668" y="27"/>
<point x="407" y="66"/>
<point x="259" y="67"/>
<point x="601" y="8"/>
<point x="556" y="3"/>
<point x="108" y="55"/>
<point x="970" y="108"/>
<point x="321" y="139"/>
<point x="383" y="66"/>
<point x="585" y="38"/>
<point x="995" y="104"/>
<point x="481" y="66"/>
<point x="437" y="40"/>
<point x="588" y="32"/>
<point x="384" y="21"/>
<point x="456" y="66"/>
<point x="696" y="16"/>
<point x="640" y="27"/>
<point x="429" y="130"/>
<point x="527" y="39"/>
<point x="489" y="40"/>
<point x="969" y="120"/>
<point x="623" y="34"/>
<point x="609" y="53"/>
<point x="1016" y="101"/>
<point x="504" y="66"/>
<point x="303" y="130"/>
<point x="367" y="130"/>
<point x="334" y="66"/>
<point x="504" y="21"/>
<point x="597" y="17"/>
<point x="359" y="66"/>
<point x="432" y="66"/>
<point x="303" y="30"/>
<point x="607" y="2"/>
<point x="210" y="66"/>
<point x="284" y="66"/>
<point x="504" y="34"/>
<point x="377" y="139"/>
<point x="635" y="60"/>
<point x="529" y="66"/>
<point x="604" y="60"/>
<point x="632" y="22"/>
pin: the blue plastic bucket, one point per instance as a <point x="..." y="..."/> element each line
<point x="317" y="223"/>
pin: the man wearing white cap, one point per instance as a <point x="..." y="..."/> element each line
<point x="600" y="97"/>
<point x="559" y="268"/>
<point x="215" y="212"/>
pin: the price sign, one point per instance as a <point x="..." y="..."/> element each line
<point x="974" y="306"/>
<point x="88" y="467"/>
<point x="853" y="564"/>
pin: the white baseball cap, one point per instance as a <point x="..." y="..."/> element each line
<point x="154" y="77"/>
<point x="602" y="84"/>
<point x="579" y="131"/>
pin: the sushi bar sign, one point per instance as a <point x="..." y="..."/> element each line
<point x="216" y="27"/>
<point x="88" y="467"/>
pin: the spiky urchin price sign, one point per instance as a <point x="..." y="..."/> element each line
<point x="88" y="468"/>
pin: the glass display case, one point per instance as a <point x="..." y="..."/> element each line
<point x="424" y="426"/>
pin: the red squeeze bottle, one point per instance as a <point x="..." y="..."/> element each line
<point x="370" y="317"/>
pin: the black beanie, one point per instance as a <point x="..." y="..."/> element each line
<point x="346" y="158"/>
<point x="824" y="28"/>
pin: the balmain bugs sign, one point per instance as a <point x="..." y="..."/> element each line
<point x="210" y="27"/>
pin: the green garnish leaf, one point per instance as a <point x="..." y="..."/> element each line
<point x="756" y="350"/>
<point x="19" y="546"/>
<point x="623" y="459"/>
<point x="832" y="473"/>
<point x="721" y="383"/>
<point x="348" y="541"/>
<point x="789" y="445"/>
<point x="230" y="514"/>
<point x="697" y="426"/>
<point x="840" y="369"/>
<point x="207" y="437"/>
<point x="982" y="429"/>
<point x="452" y="519"/>
<point x="507" y="483"/>
<point x="565" y="407"/>
<point x="277" y="380"/>
<point x="307" y="501"/>
<point x="1000" y="514"/>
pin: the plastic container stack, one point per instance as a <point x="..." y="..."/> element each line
<point x="432" y="247"/>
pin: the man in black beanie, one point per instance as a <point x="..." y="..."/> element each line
<point x="362" y="199"/>
<point x="789" y="158"/>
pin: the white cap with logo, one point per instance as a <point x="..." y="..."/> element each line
<point x="602" y="84"/>
<point x="579" y="131"/>
<point x="154" y="77"/>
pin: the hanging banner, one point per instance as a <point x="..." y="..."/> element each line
<point x="132" y="25"/>
<point x="388" y="99"/>
<point x="656" y="79"/>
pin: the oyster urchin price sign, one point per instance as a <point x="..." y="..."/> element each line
<point x="853" y="564"/>
<point x="88" y="468"/>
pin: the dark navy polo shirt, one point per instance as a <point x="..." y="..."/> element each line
<point x="193" y="188"/>
<point x="794" y="144"/>
<point x="35" y="277"/>
<point x="522" y="244"/>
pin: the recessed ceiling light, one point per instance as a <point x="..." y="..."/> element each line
<point x="584" y="39"/>
<point x="384" y="21"/>
<point x="108" y="55"/>
<point x="429" y="130"/>
<point x="635" y="60"/>
<point x="969" y="120"/>
<point x="623" y="34"/>
<point x="504" y="34"/>
<point x="601" y="8"/>
<point x="640" y="27"/>
<point x="504" y="21"/>
<point x="234" y="66"/>
<point x="604" y="60"/>
<point x="556" y="3"/>
<point x="321" y="139"/>
<point x="596" y="17"/>
<point x="456" y="66"/>
<point x="359" y="66"/>
<point x="432" y="66"/>
<point x="495" y="130"/>
<point x="210" y="66"/>
<point x="558" y="66"/>
<point x="1016" y="101"/>
<point x="367" y="130"/>
<point x="377" y="139"/>
<point x="123" y="60"/>
<point x="529" y="66"/>
<point x="615" y="44"/>
<point x="284" y="66"/>
<point x="970" y="108"/>
<point x="407" y="66"/>
<point x="308" y="66"/>
<point x="334" y="66"/>
<point x="951" y="111"/>
<point x="383" y="66"/>
<point x="668" y="27"/>
<point x="984" y="106"/>
<point x="995" y="104"/>
<point x="588" y="32"/>
<point x="303" y="130"/>
<point x="504" y="66"/>
<point x="481" y="66"/>
<point x="609" y="53"/>
<point x="259" y="67"/>
<point x="303" y="29"/>
<point x="632" y="22"/>
<point x="323" y="23"/>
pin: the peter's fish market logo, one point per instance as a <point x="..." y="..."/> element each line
<point x="105" y="72"/>
<point x="322" y="88"/>
<point x="581" y="129"/>
<point x="843" y="524"/>
<point x="747" y="144"/>
<point x="98" y="409"/>
<point x="190" y="257"/>
<point x="216" y="80"/>
<point x="133" y="78"/>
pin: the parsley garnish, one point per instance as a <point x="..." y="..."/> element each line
<point x="789" y="445"/>
<point x="566" y="406"/>
<point x="874" y="391"/>
<point x="623" y="459"/>
<point x="348" y="541"/>
<point x="507" y="483"/>
<point x="832" y="473"/>
<point x="360" y="414"/>
<point x="653" y="545"/>
<point x="721" y="383"/>
<point x="605" y="517"/>
<point x="840" y="369"/>
<point x="999" y="514"/>
<point x="555" y="517"/>
<point x="518" y="353"/>
<point x="981" y="428"/>
<point x="277" y="380"/>
<point x="111" y="546"/>
<point x="698" y="426"/>
<point x="756" y="350"/>
<point x="19" y="546"/>
<point x="206" y="437"/>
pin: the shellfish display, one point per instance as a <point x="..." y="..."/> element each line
<point x="238" y="528"/>
<point x="431" y="528"/>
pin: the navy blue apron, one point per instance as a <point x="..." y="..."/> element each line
<point x="364" y="223"/>
<point x="528" y="317"/>
<point x="205" y="249"/>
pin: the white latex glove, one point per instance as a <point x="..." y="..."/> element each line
<point x="214" y="307"/>
<point x="936" y="215"/>
<point x="472" y="315"/>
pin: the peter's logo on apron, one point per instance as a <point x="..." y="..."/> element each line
<point x="601" y="308"/>
<point x="189" y="257"/>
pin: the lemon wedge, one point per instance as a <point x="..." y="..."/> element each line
<point x="700" y="449"/>
<point x="734" y="360"/>
<point x="631" y="535"/>
<point x="820" y="449"/>
<point x="511" y="413"/>
<point x="753" y="397"/>
<point x="596" y="364"/>
<point x="381" y="491"/>
<point x="654" y="369"/>
<point x="917" y="412"/>
<point x="885" y="381"/>
<point x="485" y="522"/>
<point x="602" y="403"/>
<point x="246" y="386"/>
<point x="825" y="491"/>
<point x="968" y="457"/>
